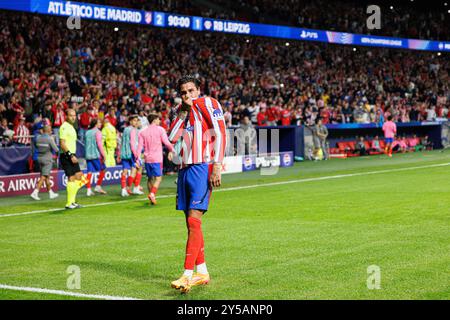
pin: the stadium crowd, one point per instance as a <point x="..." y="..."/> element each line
<point x="108" y="74"/>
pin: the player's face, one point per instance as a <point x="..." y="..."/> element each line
<point x="134" y="122"/>
<point x="99" y="124"/>
<point x="189" y="92"/>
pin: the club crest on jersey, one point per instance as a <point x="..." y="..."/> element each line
<point x="190" y="128"/>
<point x="217" y="114"/>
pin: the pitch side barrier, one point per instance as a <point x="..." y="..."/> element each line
<point x="202" y="24"/>
<point x="435" y="130"/>
<point x="24" y="184"/>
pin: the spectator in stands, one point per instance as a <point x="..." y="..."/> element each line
<point x="6" y="133"/>
<point x="431" y="113"/>
<point x="22" y="133"/>
<point x="58" y="117"/>
<point x="85" y="120"/>
<point x="262" y="117"/>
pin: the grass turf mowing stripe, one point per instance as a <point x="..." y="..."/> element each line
<point x="64" y="293"/>
<point x="247" y="187"/>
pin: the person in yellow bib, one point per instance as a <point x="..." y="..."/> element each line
<point x="109" y="134"/>
<point x="68" y="160"/>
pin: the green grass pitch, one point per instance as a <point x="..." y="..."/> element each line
<point x="310" y="239"/>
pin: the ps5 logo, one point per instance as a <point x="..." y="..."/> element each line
<point x="309" y="35"/>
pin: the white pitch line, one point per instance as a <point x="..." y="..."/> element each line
<point x="64" y="293"/>
<point x="244" y="187"/>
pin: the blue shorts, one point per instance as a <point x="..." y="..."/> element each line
<point x="153" y="169"/>
<point x="95" y="165"/>
<point x="193" y="188"/>
<point x="389" y="140"/>
<point x="128" y="164"/>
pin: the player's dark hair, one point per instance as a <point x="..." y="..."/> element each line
<point x="151" y="117"/>
<point x="93" y="123"/>
<point x="389" y="118"/>
<point x="131" y="118"/>
<point x="186" y="79"/>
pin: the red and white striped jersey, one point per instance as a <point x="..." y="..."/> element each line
<point x="203" y="133"/>
<point x="22" y="134"/>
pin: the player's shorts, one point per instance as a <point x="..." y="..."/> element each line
<point x="70" y="168"/>
<point x="389" y="140"/>
<point x="95" y="165"/>
<point x="128" y="164"/>
<point x="45" y="166"/>
<point x="153" y="169"/>
<point x="193" y="188"/>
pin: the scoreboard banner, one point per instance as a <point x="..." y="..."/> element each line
<point x="201" y="24"/>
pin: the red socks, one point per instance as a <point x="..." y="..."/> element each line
<point x="123" y="181"/>
<point x="201" y="252"/>
<point x="194" y="242"/>
<point x="137" y="180"/>
<point x="101" y="176"/>
<point x="130" y="181"/>
<point x="88" y="177"/>
<point x="154" y="190"/>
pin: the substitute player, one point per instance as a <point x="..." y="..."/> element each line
<point x="151" y="140"/>
<point x="201" y="126"/>
<point x="390" y="130"/>
<point x="109" y="133"/>
<point x="68" y="160"/>
<point x="95" y="156"/>
<point x="130" y="158"/>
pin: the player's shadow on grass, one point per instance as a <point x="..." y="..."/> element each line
<point x="140" y="272"/>
<point x="133" y="270"/>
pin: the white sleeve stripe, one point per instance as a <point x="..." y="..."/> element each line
<point x="199" y="136"/>
<point x="218" y="141"/>
<point x="175" y="129"/>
